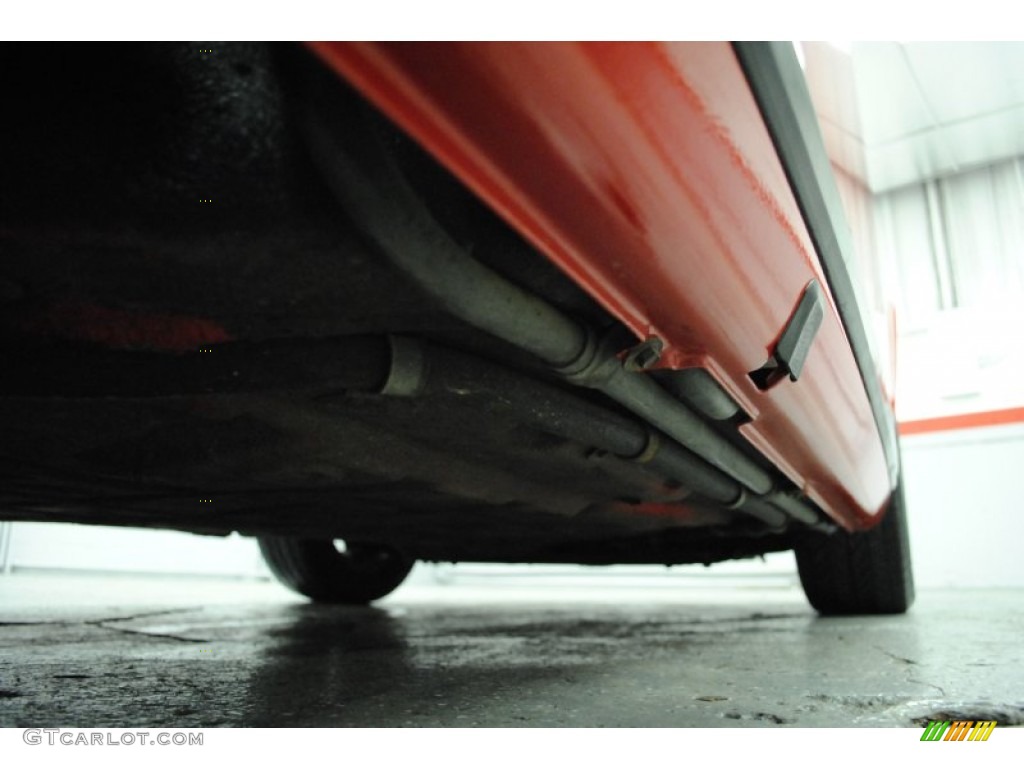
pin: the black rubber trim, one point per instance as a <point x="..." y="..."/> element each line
<point x="778" y="85"/>
<point x="796" y="339"/>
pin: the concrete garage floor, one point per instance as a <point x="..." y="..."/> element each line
<point x="92" y="651"/>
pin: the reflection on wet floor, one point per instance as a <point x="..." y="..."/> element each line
<point x="259" y="658"/>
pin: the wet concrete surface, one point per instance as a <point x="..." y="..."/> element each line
<point x="92" y="651"/>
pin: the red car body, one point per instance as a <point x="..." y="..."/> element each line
<point x="646" y="172"/>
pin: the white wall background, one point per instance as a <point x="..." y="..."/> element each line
<point x="952" y="252"/>
<point x="55" y="546"/>
<point x="966" y="525"/>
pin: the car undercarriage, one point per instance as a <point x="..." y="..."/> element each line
<point x="236" y="297"/>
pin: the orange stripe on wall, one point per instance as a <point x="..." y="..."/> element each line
<point x="963" y="421"/>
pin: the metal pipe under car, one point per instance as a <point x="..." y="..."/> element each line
<point x="377" y="197"/>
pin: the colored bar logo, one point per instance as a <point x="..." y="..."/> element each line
<point x="958" y="730"/>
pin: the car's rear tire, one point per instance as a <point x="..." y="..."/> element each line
<point x="318" y="569"/>
<point x="860" y="573"/>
